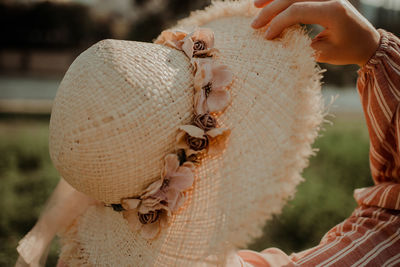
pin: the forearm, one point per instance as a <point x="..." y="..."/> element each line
<point x="64" y="205"/>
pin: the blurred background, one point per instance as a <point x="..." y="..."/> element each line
<point x="40" y="39"/>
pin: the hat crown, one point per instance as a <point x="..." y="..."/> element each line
<point x="116" y="116"/>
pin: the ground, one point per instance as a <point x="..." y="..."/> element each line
<point x="27" y="177"/>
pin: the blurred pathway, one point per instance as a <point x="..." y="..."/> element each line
<point x="346" y="99"/>
<point x="28" y="88"/>
<point x="27" y="95"/>
<point x="35" y="95"/>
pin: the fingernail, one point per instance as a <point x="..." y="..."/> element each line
<point x="267" y="34"/>
<point x="254" y="23"/>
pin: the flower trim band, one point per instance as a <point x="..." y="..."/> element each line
<point x="149" y="212"/>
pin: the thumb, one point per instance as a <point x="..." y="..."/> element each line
<point x="324" y="49"/>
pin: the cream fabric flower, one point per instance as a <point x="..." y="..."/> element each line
<point x="173" y="39"/>
<point x="210" y="82"/>
<point x="161" y="198"/>
<point x="216" y="136"/>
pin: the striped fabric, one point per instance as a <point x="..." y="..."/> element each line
<point x="379" y="89"/>
<point x="371" y="235"/>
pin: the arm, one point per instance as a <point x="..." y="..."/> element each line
<point x="348" y="38"/>
<point x="354" y="42"/>
<point x="64" y="205"/>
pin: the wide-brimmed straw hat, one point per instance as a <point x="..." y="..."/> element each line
<point x="117" y="115"/>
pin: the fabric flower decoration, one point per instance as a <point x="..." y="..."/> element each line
<point x="210" y="82"/>
<point x="176" y="179"/>
<point x="205" y="121"/>
<point x="199" y="43"/>
<point x="195" y="140"/>
<point x="173" y="39"/>
<point x="151" y="228"/>
<point x="150" y="213"/>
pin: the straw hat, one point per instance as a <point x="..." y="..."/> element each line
<point x="117" y="113"/>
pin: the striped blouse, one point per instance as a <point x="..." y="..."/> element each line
<point x="379" y="88"/>
<point x="371" y="235"/>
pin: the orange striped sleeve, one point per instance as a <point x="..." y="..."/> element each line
<point x="379" y="89"/>
<point x="369" y="237"/>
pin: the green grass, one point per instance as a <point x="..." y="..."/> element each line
<point x="326" y="197"/>
<point x="27" y="177"/>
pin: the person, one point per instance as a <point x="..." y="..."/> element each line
<point x="169" y="152"/>
<point x="371" y="235"/>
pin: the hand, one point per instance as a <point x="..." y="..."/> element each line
<point x="347" y="38"/>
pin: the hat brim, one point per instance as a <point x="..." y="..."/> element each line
<point x="274" y="117"/>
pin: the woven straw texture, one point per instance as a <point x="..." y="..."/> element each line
<point x="116" y="116"/>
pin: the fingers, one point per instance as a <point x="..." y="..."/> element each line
<point x="301" y="12"/>
<point x="262" y="3"/>
<point x="271" y="8"/>
<point x="268" y="12"/>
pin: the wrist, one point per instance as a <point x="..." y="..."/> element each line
<point x="371" y="46"/>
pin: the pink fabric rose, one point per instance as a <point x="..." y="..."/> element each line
<point x="216" y="136"/>
<point x="199" y="42"/>
<point x="160" y="198"/>
<point x="210" y="82"/>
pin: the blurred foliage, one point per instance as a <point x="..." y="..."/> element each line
<point x="27" y="177"/>
<point x="55" y="25"/>
<point x="340" y="76"/>
<point x="326" y="197"/>
<point x="142" y="31"/>
<point x="388" y="19"/>
<point x="151" y="26"/>
<point x="47" y="25"/>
